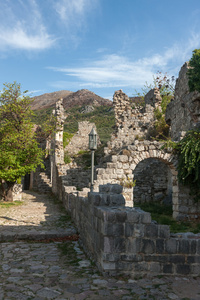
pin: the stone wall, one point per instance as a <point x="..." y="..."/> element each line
<point x="123" y="240"/>
<point x="183" y="112"/>
<point x="80" y="141"/>
<point x="132" y="123"/>
<point x="122" y="165"/>
<point x="153" y="182"/>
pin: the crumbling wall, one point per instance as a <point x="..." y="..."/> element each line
<point x="132" y="123"/>
<point x="183" y="112"/>
<point x="80" y="141"/>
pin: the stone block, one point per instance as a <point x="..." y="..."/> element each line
<point x="116" y="189"/>
<point x="107" y="244"/>
<point x="195" y="269"/>
<point x="160" y="246"/>
<point x="192" y="259"/>
<point x="198" y="247"/>
<point x="139" y="230"/>
<point x="116" y="200"/>
<point x="184" y="246"/>
<point x="171" y="246"/>
<point x="133" y="245"/>
<point x="151" y="231"/>
<point x="183" y="269"/>
<point x="155" y="267"/>
<point x="114" y="158"/>
<point x="124" y="266"/>
<point x="112" y="257"/>
<point x="168" y="269"/>
<point x="176" y="259"/>
<point x="133" y="216"/>
<point x="148" y="246"/>
<point x="141" y="267"/>
<point x="115" y="229"/>
<point x="145" y="218"/>
<point x="163" y="231"/>
<point x="121" y="216"/>
<point x="119" y="245"/>
<point x="129" y="230"/>
<point x="108" y="266"/>
<point x="131" y="257"/>
<point x="123" y="158"/>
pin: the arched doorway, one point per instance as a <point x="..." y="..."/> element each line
<point x="153" y="182"/>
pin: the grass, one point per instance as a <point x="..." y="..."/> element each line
<point x="69" y="253"/>
<point x="162" y="214"/>
<point x="63" y="221"/>
<point x="10" y="204"/>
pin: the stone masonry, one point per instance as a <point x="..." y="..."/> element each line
<point x="80" y="140"/>
<point x="132" y="123"/>
<point x="124" y="241"/>
<point x="183" y="112"/>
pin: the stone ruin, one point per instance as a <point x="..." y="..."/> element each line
<point x="120" y="238"/>
<point x="131" y="124"/>
<point x="130" y="155"/>
<point x="183" y="112"/>
<point x="80" y="140"/>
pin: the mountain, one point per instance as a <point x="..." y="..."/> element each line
<point x="70" y="99"/>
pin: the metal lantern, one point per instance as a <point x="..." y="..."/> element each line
<point x="93" y="140"/>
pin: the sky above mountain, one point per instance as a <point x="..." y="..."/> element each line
<point x="100" y="45"/>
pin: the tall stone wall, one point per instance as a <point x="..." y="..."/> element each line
<point x="132" y="123"/>
<point x="183" y="112"/>
<point x="80" y="141"/>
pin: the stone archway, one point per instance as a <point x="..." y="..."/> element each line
<point x="145" y="150"/>
<point x="153" y="182"/>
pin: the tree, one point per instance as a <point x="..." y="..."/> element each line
<point x="194" y="71"/>
<point x="19" y="150"/>
<point x="166" y="86"/>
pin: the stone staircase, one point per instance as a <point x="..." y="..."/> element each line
<point x="44" y="183"/>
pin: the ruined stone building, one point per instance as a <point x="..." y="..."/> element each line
<point x="130" y="155"/>
<point x="122" y="239"/>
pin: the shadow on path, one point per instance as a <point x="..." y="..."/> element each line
<point x="40" y="216"/>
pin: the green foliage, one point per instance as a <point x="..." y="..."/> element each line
<point x="10" y="204"/>
<point x="66" y="138"/>
<point x="19" y="151"/>
<point x="46" y="122"/>
<point x="102" y="116"/>
<point x="194" y="71"/>
<point x="127" y="183"/>
<point x="83" y="159"/>
<point x="162" y="214"/>
<point x="165" y="84"/>
<point x="67" y="158"/>
<point x="189" y="161"/>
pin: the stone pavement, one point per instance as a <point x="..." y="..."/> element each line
<point x="58" y="269"/>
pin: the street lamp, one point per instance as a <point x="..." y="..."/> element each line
<point x="92" y="147"/>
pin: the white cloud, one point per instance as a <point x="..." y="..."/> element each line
<point x="119" y="71"/>
<point x="72" y="13"/>
<point x="21" y="27"/>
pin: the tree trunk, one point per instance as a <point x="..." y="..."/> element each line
<point x="8" y="191"/>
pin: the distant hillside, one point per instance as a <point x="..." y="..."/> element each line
<point x="82" y="105"/>
<point x="48" y="100"/>
<point x="70" y="99"/>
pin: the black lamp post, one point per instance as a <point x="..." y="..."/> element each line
<point x="92" y="147"/>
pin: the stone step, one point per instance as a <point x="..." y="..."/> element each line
<point x="10" y="236"/>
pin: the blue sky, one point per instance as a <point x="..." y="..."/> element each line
<point x="100" y="45"/>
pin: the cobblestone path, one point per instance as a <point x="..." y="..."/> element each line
<point x="59" y="269"/>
